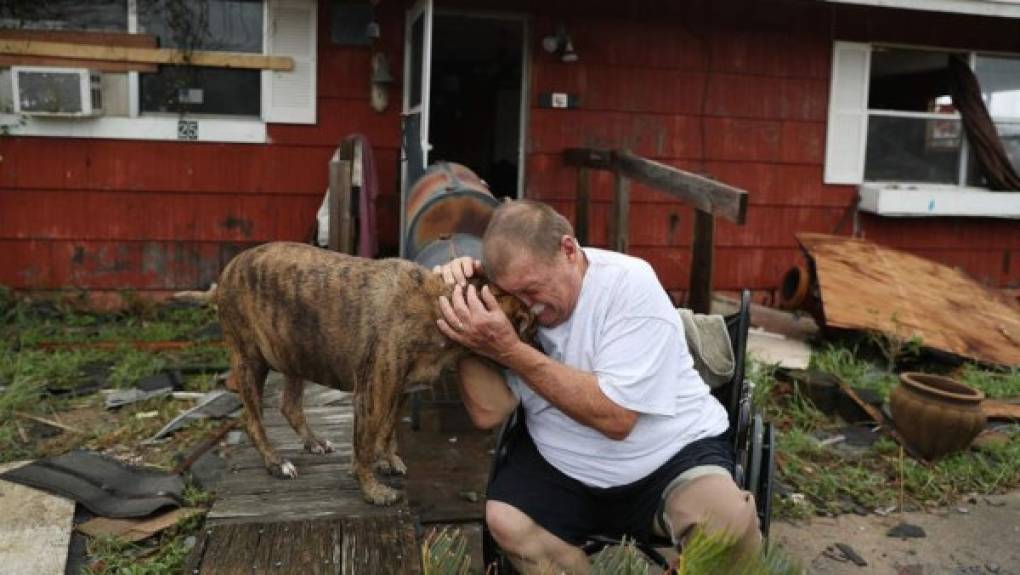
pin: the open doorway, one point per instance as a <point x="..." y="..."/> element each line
<point x="476" y="97"/>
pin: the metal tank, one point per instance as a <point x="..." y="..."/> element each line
<point x="448" y="206"/>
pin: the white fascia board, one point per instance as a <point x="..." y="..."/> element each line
<point x="994" y="8"/>
<point x="927" y="200"/>
<point x="244" y="130"/>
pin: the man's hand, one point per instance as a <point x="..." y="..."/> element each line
<point x="477" y="323"/>
<point x="458" y="271"/>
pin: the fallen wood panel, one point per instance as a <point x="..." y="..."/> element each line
<point x="145" y="55"/>
<point x="867" y="287"/>
<point x="1000" y="410"/>
<point x="79" y="37"/>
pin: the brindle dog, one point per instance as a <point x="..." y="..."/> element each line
<point x="360" y="325"/>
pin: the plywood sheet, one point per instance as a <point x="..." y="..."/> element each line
<point x="35" y="529"/>
<point x="865" y="286"/>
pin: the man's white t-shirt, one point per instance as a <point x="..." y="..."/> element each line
<point x="624" y="330"/>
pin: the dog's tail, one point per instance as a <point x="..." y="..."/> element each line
<point x="197" y="297"/>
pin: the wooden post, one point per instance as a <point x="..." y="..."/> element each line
<point x="583" y="205"/>
<point x="340" y="224"/>
<point x="621" y="214"/>
<point x="699" y="294"/>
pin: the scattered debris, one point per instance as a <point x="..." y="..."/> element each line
<point x="35" y="528"/>
<point x="831" y="440"/>
<point x="469" y="495"/>
<point x="1000" y="410"/>
<point x="776" y="349"/>
<point x="49" y="422"/>
<point x="149" y="387"/>
<point x="867" y="287"/>
<point x="906" y="531"/>
<point x="795" y="326"/>
<point x="990" y="439"/>
<point x="135" y="529"/>
<point x="962" y="509"/>
<point x="851" y="554"/>
<point x="146" y="414"/>
<point x="104" y="485"/>
<point x="216" y="405"/>
<point x="206" y="445"/>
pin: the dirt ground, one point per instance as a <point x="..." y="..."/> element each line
<point x="978" y="536"/>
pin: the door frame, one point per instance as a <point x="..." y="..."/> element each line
<point x="523" y="115"/>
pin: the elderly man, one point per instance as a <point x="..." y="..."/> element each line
<point x="623" y="437"/>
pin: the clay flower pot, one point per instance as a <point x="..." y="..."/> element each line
<point x="936" y="415"/>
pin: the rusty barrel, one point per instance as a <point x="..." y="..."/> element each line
<point x="448" y="199"/>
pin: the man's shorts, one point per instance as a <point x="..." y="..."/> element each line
<point x="574" y="511"/>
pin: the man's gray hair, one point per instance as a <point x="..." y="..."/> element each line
<point x="522" y="225"/>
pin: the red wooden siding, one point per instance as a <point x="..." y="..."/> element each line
<point x="736" y="89"/>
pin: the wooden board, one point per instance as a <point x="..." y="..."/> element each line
<point x="145" y="55"/>
<point x="351" y="545"/>
<point x="867" y="287"/>
<point x="79" y="37"/>
<point x="35" y="528"/>
<point x="323" y="487"/>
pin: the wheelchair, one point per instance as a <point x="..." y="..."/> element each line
<point x="753" y="442"/>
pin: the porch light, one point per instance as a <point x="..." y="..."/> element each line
<point x="561" y="44"/>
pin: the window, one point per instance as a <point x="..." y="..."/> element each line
<point x="220" y="25"/>
<point x="892" y="118"/>
<point x="184" y="102"/>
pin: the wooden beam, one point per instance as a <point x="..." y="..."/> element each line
<point x="621" y="214"/>
<point x="699" y="294"/>
<point x="79" y="37"/>
<point x="698" y="191"/>
<point x="98" y="65"/>
<point x="583" y="205"/>
<point x="145" y="55"/>
<point x="341" y="226"/>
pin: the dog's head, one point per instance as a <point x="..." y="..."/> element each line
<point x="520" y="317"/>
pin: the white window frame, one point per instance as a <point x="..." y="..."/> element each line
<point x="155" y="126"/>
<point x="846" y="142"/>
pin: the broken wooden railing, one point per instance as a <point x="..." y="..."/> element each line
<point x="708" y="197"/>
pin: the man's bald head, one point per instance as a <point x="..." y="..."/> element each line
<point x="522" y="226"/>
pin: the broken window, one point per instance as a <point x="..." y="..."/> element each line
<point x="999" y="77"/>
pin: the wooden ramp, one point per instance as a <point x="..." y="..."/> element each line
<point x="316" y="523"/>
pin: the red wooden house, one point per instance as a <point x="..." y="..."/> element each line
<point x="814" y="107"/>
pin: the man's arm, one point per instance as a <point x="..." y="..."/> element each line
<point x="575" y="392"/>
<point x="484" y="390"/>
<point x="484" y="329"/>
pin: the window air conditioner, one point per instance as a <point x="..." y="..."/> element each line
<point x="63" y="92"/>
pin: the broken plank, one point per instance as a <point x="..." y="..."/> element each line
<point x="145" y="55"/>
<point x="1000" y="410"/>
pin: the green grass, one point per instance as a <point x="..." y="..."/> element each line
<point x="845" y="363"/>
<point x="997" y="384"/>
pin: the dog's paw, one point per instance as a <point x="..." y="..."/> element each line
<point x="379" y="494"/>
<point x="283" y="470"/>
<point x="319" y="447"/>
<point x="391" y="465"/>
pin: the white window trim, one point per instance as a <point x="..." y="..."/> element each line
<point x="1000" y="8"/>
<point x="917" y="199"/>
<point x="136" y="126"/>
<point x="898" y="199"/>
